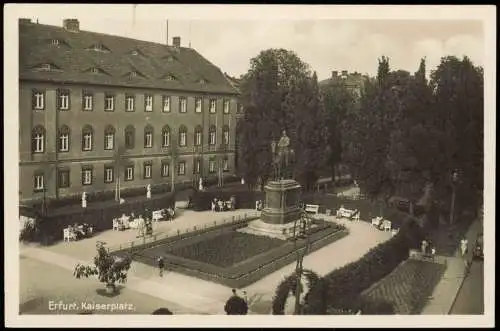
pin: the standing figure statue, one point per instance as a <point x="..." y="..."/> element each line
<point x="84" y="200"/>
<point x="285" y="154"/>
<point x="148" y="191"/>
<point x="200" y="184"/>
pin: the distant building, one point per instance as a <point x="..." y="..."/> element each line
<point x="353" y="81"/>
<point x="84" y="95"/>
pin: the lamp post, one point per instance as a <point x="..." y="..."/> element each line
<point x="454" y="180"/>
<point x="304" y="224"/>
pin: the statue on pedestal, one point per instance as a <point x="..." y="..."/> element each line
<point x="200" y="184"/>
<point x="148" y="191"/>
<point x="84" y="200"/>
<point x="282" y="157"/>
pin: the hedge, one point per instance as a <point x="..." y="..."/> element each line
<point x="245" y="199"/>
<point x="100" y="216"/>
<point x="342" y="287"/>
<point x="125" y="193"/>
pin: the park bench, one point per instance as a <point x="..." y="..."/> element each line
<point x="347" y="213"/>
<point x="313" y="209"/>
<point x="157" y="215"/>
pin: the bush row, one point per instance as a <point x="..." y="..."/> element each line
<point x="244" y="199"/>
<point x="342" y="287"/>
<point x="100" y="218"/>
<point x="125" y="193"/>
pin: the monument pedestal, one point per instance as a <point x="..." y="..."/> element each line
<point x="282" y="202"/>
<point x="280" y="212"/>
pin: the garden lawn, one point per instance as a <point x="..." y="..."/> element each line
<point x="409" y="286"/>
<point x="227" y="249"/>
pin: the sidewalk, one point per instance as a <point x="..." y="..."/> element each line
<point x="171" y="287"/>
<point x="447" y="289"/>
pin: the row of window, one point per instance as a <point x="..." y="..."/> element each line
<point x="87" y="173"/>
<point x="63" y="137"/>
<point x="64" y="102"/>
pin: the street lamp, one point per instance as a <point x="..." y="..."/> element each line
<point x="305" y="222"/>
<point x="454" y="181"/>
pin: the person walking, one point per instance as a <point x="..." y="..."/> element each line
<point x="464" y="246"/>
<point x="161" y="265"/>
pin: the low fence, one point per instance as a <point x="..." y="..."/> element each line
<point x="162" y="238"/>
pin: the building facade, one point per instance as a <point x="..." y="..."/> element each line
<point x="94" y="108"/>
<point x="353" y="81"/>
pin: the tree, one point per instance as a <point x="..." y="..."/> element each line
<point x="174" y="155"/>
<point x="458" y="88"/>
<point x="277" y="87"/>
<point x="107" y="268"/>
<point x="308" y="127"/>
<point x="338" y="102"/>
<point x="369" y="132"/>
<point x="119" y="160"/>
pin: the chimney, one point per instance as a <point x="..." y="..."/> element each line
<point x="344" y="72"/>
<point x="335" y="74"/>
<point x="71" y="24"/>
<point x="24" y="21"/>
<point x="176" y="41"/>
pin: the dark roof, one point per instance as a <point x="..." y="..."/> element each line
<point x="154" y="62"/>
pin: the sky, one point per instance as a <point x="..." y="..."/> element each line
<point x="229" y="39"/>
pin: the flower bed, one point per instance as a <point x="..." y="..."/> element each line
<point x="240" y="273"/>
<point x="227" y="249"/>
<point x="408" y="286"/>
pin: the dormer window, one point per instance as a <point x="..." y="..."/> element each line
<point x="136" y="52"/>
<point x="46" y="67"/>
<point x="202" y="81"/>
<point x="94" y="70"/>
<point x="170" y="58"/>
<point x="99" y="48"/>
<point x="133" y="74"/>
<point x="56" y="42"/>
<point x="170" y="77"/>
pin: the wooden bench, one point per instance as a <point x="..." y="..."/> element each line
<point x="313" y="209"/>
<point x="157" y="215"/>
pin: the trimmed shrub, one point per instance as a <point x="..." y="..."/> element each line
<point x="289" y="285"/>
<point x="344" y="285"/>
<point x="94" y="197"/>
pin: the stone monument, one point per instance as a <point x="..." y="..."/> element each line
<point x="148" y="192"/>
<point x="200" y="184"/>
<point x="282" y="205"/>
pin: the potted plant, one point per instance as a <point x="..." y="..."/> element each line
<point x="107" y="268"/>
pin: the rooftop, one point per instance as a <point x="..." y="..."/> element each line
<point x="350" y="79"/>
<point x="70" y="55"/>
